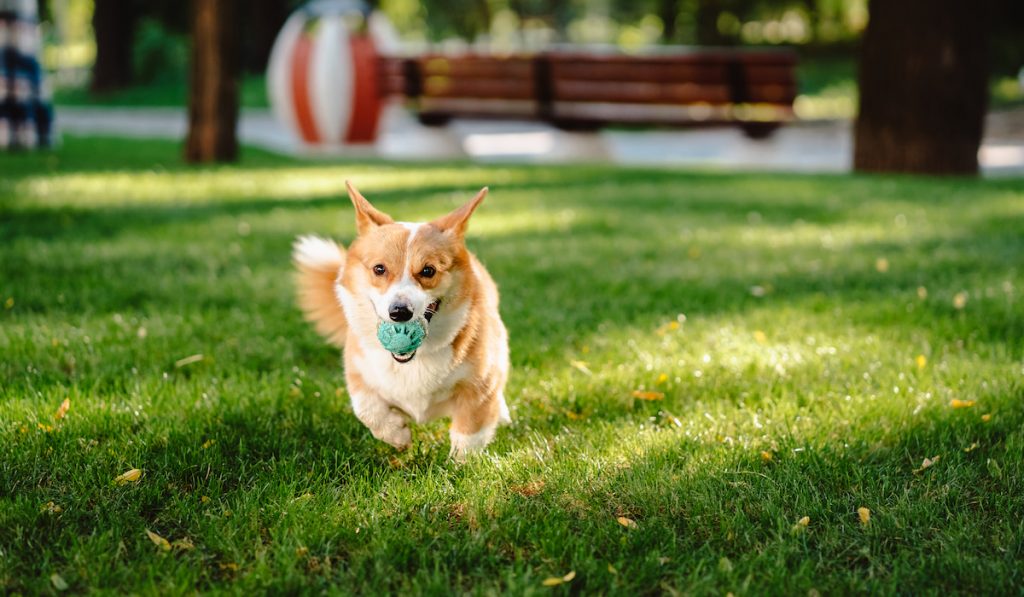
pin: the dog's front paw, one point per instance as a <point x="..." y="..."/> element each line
<point x="400" y="437"/>
<point x="463" y="445"/>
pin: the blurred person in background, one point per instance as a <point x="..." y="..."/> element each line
<point x="25" y="112"/>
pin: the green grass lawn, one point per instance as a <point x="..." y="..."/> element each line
<point x="805" y="342"/>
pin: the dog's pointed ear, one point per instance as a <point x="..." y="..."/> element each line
<point x="456" y="222"/>
<point x="368" y="217"/>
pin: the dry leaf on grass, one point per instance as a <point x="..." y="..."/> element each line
<point x="927" y="463"/>
<point x="183" y="544"/>
<point x="63" y="410"/>
<point x="554" y="581"/>
<point x="159" y="541"/>
<point x="187" y="361"/>
<point x="129" y="476"/>
<point x="529" y="490"/>
<point x="58" y="582"/>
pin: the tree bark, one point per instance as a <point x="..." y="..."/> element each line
<point x="113" y="23"/>
<point x="708" y="34"/>
<point x="923" y="87"/>
<point x="214" y="82"/>
<point x="669" y="12"/>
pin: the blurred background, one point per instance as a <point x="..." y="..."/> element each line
<point x="123" y="66"/>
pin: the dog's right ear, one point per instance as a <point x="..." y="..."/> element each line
<point x="368" y="217"/>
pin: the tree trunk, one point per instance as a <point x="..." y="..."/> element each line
<point x="113" y="23"/>
<point x="213" y="92"/>
<point x="923" y="87"/>
<point x="669" y="12"/>
<point x="708" y="34"/>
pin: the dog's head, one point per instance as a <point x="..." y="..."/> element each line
<point x="406" y="271"/>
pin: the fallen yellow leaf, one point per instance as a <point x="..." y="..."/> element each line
<point x="63" y="410"/>
<point x="580" y="366"/>
<point x="554" y="581"/>
<point x="927" y="463"/>
<point x="58" y="582"/>
<point x="129" y="476"/>
<point x="961" y="403"/>
<point x="922" y="361"/>
<point x="158" y="540"/>
<point x="864" y="514"/>
<point x="188" y="361"/>
<point x="183" y="544"/>
<point x="629" y="523"/>
<point x="642" y="395"/>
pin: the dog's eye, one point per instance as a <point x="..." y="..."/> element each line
<point x="428" y="271"/>
<point x="380" y="270"/>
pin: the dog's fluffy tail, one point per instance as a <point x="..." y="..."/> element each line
<point x="319" y="263"/>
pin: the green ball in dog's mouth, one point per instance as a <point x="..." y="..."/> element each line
<point x="401" y="338"/>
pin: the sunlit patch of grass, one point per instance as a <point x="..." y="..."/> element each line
<point x="711" y="358"/>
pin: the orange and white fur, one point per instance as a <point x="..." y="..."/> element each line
<point x="401" y="271"/>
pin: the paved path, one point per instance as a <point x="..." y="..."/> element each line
<point x="805" y="147"/>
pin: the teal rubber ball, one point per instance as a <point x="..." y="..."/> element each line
<point x="401" y="338"/>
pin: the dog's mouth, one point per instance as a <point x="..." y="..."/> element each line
<point x="428" y="315"/>
<point x="403" y="358"/>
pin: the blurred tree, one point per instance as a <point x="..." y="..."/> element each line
<point x="113" y="22"/>
<point x="214" y="82"/>
<point x="708" y="32"/>
<point x="923" y="86"/>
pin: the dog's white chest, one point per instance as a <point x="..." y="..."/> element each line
<point x="417" y="387"/>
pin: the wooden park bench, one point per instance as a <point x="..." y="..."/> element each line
<point x="753" y="89"/>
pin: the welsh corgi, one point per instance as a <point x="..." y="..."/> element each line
<point x="411" y="272"/>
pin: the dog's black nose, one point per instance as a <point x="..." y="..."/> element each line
<point x="400" y="312"/>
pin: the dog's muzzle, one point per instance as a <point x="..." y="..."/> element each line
<point x="427" y="315"/>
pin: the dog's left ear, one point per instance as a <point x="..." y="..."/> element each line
<point x="456" y="222"/>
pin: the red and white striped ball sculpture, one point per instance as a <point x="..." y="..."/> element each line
<point x="322" y="78"/>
